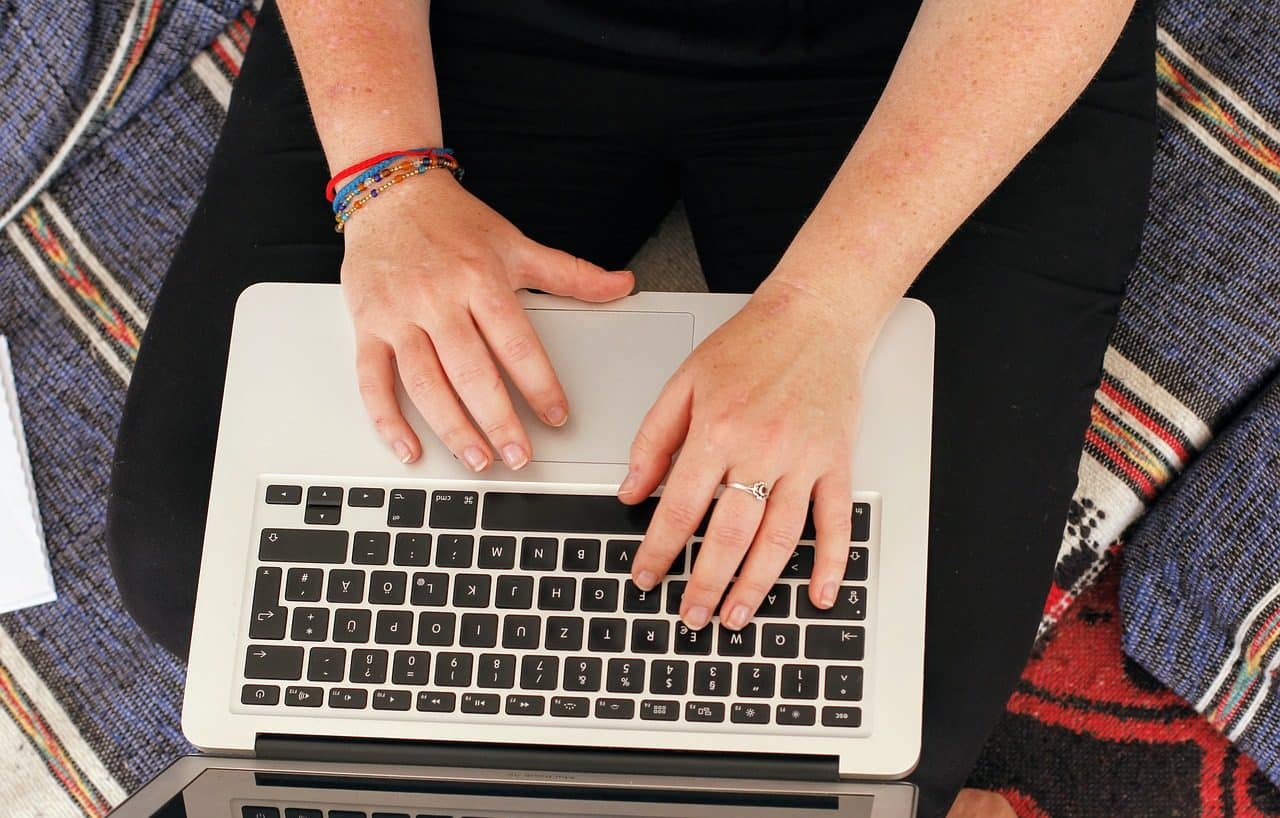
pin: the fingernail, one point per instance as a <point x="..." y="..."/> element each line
<point x="514" y="455"/>
<point x="629" y="483"/>
<point x="402" y="451"/>
<point x="738" y="617"/>
<point x="646" y="580"/>
<point x="697" y="618"/>
<point x="828" y="594"/>
<point x="557" y="415"/>
<point x="475" y="458"/>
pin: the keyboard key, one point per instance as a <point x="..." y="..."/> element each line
<point x="436" y="628"/>
<point x="324" y="496"/>
<point x="800" y="566"/>
<point x="348" y="698"/>
<point x="565" y="513"/>
<point x="295" y="696"/>
<point x="625" y="676"/>
<point x="387" y="587"/>
<point x="304" y="585"/>
<point x="834" y="642"/>
<point x="496" y="670"/>
<point x="454" y="669"/>
<point x="737" y="643"/>
<point x="521" y="704"/>
<point x="675" y="595"/>
<point x="799" y="681"/>
<point x="861" y="522"/>
<point x="514" y="592"/>
<point x="843" y="684"/>
<point x="851" y="604"/>
<point x="780" y="641"/>
<point x="497" y="552"/>
<point x="436" y="701"/>
<point x="454" y="509"/>
<point x="607" y="708"/>
<point x="310" y="625"/>
<point x="478" y="630"/>
<point x="710" y="712"/>
<point x="394" y="628"/>
<point x="345" y="586"/>
<point x="368" y="667"/>
<point x="619" y="554"/>
<point x="410" y="667"/>
<point x="756" y="681"/>
<point x="712" y="678"/>
<point x="635" y="600"/>
<point x="656" y="710"/>
<point x="322" y="515"/>
<point x="268" y="623"/>
<point x="539" y="672"/>
<point x="481" y="702"/>
<point x="748" y="713"/>
<point x="266" y="588"/>
<point x="582" y="555"/>
<point x="607" y="635"/>
<point x="800" y="715"/>
<point x="692" y="643"/>
<point x="564" y="633"/>
<point x="557" y="593"/>
<point x="249" y="811"/>
<point x="776" y="603"/>
<point x="521" y="632"/>
<point x="392" y="699"/>
<point x="326" y="664"/>
<point x="833" y="716"/>
<point x="302" y="545"/>
<point x="538" y="554"/>
<point x="351" y="625"/>
<point x="455" y="550"/>
<point x="669" y="677"/>
<point x="858" y="565"/>
<point x="284" y="495"/>
<point x="366" y="498"/>
<point x="599" y="595"/>
<point x="571" y="707"/>
<point x="260" y="694"/>
<point x="582" y="674"/>
<point x="650" y="636"/>
<point x="429" y="589"/>
<point x="406" y="508"/>
<point x="471" y="590"/>
<point x="413" y="549"/>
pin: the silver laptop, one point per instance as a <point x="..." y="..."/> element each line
<point x="377" y="638"/>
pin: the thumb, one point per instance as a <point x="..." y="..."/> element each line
<point x="561" y="273"/>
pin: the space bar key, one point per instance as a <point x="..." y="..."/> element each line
<point x="302" y="545"/>
<point x="564" y="513"/>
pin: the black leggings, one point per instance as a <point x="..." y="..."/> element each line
<point x="747" y="124"/>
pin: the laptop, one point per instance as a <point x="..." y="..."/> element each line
<point x="378" y="640"/>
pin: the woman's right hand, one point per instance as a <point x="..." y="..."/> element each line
<point x="429" y="275"/>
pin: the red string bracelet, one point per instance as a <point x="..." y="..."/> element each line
<point x="370" y="162"/>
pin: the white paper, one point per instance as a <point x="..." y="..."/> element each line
<point x="25" y="577"/>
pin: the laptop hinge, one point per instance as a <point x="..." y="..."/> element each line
<point x="547" y="758"/>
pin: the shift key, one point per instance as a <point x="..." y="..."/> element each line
<point x="302" y="545"/>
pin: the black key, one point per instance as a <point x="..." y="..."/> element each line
<point x="266" y="588"/>
<point x="599" y="595"/>
<point x="833" y="716"/>
<point x="437" y="701"/>
<point x="324" y="496"/>
<point x="410" y="667"/>
<point x="677" y="565"/>
<point x="392" y="699"/>
<point x="310" y="625"/>
<point x="538" y="554"/>
<point x="625" y="676"/>
<point x="564" y="633"/>
<point x="748" y="713"/>
<point x="656" y="710"/>
<point x="737" y="643"/>
<point x="429" y="589"/>
<point x="615" y="708"/>
<point x="481" y="702"/>
<point x="478" y="630"/>
<point x="607" y="635"/>
<point x="650" y="635"/>
<point x="471" y="590"/>
<point x="351" y="625"/>
<point x="834" y="642"/>
<point x="801" y="715"/>
<point x="843" y="684"/>
<point x="692" y="643"/>
<point x="368" y="667"/>
<point x="514" y="592"/>
<point x="756" y="681"/>
<point x="799" y="681"/>
<point x="326" y="664"/>
<point x="436" y="628"/>
<point x="348" y="698"/>
<point x="249" y="811"/>
<point x="571" y="707"/>
<point x="454" y="509"/>
<point x="861" y="522"/>
<point x="496" y="670"/>
<point x="406" y="508"/>
<point x="497" y="552"/>
<point x="394" y="628"/>
<point x="582" y="673"/>
<point x="776" y="603"/>
<point x="669" y="677"/>
<point x="387" y="587"/>
<point x="565" y="513"/>
<point x="366" y="498"/>
<point x="521" y="632"/>
<point x="297" y="812"/>
<point x="780" y="641"/>
<point x="284" y="495"/>
<point x="304" y="584"/>
<point x="851" y="604"/>
<point x="370" y="547"/>
<point x="582" y="555"/>
<point x="557" y="593"/>
<point x="675" y="595"/>
<point x="858" y="565"/>
<point x="455" y="550"/>
<point x="712" y="678"/>
<point x="296" y="696"/>
<point x="322" y="515"/>
<point x="345" y="586"/>
<point x="412" y="548"/>
<point x="302" y="545"/>
<point x="635" y="600"/>
<point x="522" y="704"/>
<point x="704" y="711"/>
<point x="260" y="694"/>
<point x="619" y="554"/>
<point x="268" y="623"/>
<point x="800" y="566"/>
<point x="539" y="672"/>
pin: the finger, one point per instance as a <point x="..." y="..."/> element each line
<point x="661" y="433"/>
<point x="376" y="380"/>
<point x="832" y="518"/>
<point x="733" y="526"/>
<point x="561" y="273"/>
<point x="774" y="543"/>
<point x="426" y="385"/>
<point x="680" y="510"/>
<point x="470" y="368"/>
<point x="507" y="330"/>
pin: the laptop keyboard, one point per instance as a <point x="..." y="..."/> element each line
<point x="485" y="605"/>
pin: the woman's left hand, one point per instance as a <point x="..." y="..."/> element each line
<point x="772" y="395"/>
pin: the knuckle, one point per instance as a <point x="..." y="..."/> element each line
<point x="518" y="347"/>
<point x="751" y="588"/>
<point x="702" y="589"/>
<point x="498" y="429"/>
<point x="474" y="374"/>
<point x="733" y="535"/>
<point x="682" y="516"/>
<point x="419" y="383"/>
<point x="777" y="542"/>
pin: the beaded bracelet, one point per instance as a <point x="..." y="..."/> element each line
<point x="381" y="172"/>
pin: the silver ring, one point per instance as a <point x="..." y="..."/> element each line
<point x="758" y="490"/>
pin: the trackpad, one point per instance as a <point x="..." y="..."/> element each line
<point x="613" y="365"/>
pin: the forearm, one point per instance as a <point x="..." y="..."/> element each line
<point x="977" y="84"/>
<point x="369" y="75"/>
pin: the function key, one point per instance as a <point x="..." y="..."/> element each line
<point x="607" y="708"/>
<point x="480" y="702"/>
<point x="841" y="717"/>
<point x="284" y="495"/>
<point x="436" y="701"/>
<point x="406" y="508"/>
<point x="799" y="715"/>
<point x="260" y="694"/>
<point x="392" y="699"/>
<point x="295" y="696"/>
<point x="572" y="707"/>
<point x="249" y="811"/>
<point x="525" y="705"/>
<point x="366" y="498"/>
<point x="749" y="713"/>
<point x="370" y="547"/>
<point x="454" y="509"/>
<point x="659" y="710"/>
<point x="329" y="496"/>
<point x="704" y="711"/>
<point x="348" y="698"/>
<point x="301" y="812"/>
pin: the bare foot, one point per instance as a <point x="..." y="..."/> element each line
<point x="980" y="804"/>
